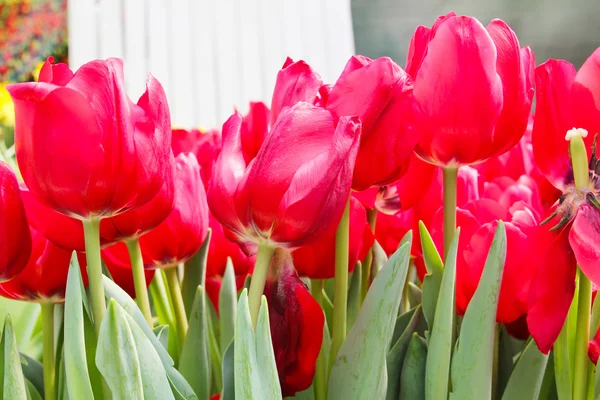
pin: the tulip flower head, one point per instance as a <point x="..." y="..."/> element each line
<point x="483" y="67"/>
<point x="14" y="229"/>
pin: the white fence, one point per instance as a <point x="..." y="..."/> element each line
<point x="211" y="55"/>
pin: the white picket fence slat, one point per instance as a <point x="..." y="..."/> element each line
<point x="211" y="56"/>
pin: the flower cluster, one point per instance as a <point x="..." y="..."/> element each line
<point x="324" y="183"/>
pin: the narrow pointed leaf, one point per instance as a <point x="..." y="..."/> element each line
<point x="214" y="350"/>
<point x="441" y="339"/>
<point x="401" y="323"/>
<point x="528" y="375"/>
<point x="32" y="392"/>
<point x="194" y="363"/>
<point x="75" y="356"/>
<point x="195" y="274"/>
<point x="255" y="373"/>
<point x="435" y="271"/>
<point x="13" y="386"/>
<point x="396" y="356"/>
<point x="227" y="306"/>
<point x="33" y="372"/>
<point x="412" y="378"/>
<point x="162" y="334"/>
<point x="415" y="295"/>
<point x="379" y="259"/>
<point x="354" y="297"/>
<point x="228" y="373"/>
<point x="181" y="389"/>
<point x="359" y="370"/>
<point x="472" y="362"/>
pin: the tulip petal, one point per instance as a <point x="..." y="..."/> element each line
<point x="303" y="133"/>
<point x="255" y="126"/>
<point x="586" y="96"/>
<point x="228" y="172"/>
<point x="296" y="82"/>
<point x="553" y="117"/>
<point x="417" y="49"/>
<point x="460" y="63"/>
<point x="58" y="74"/>
<point x="585" y="241"/>
<point x="319" y="189"/>
<point x="515" y="71"/>
<point x="553" y="287"/>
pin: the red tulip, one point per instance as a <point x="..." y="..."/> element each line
<point x="296" y="82"/>
<point x="458" y="58"/>
<point x="116" y="258"/>
<point x="205" y="145"/>
<point x="215" y="396"/>
<point x="213" y="288"/>
<point x="380" y="93"/>
<point x="317" y="261"/>
<point x="403" y="194"/>
<point x="296" y="187"/>
<point x="566" y="99"/>
<point x="83" y="147"/>
<point x="14" y="230"/>
<point x="60" y="229"/>
<point x="45" y="276"/>
<point x="220" y="249"/>
<point x="182" y="233"/>
<point x="296" y="321"/>
<point x="137" y="221"/>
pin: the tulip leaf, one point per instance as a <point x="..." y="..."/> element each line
<point x="162" y="334"/>
<point x="415" y="295"/>
<point x="228" y="392"/>
<point x="526" y="380"/>
<point x="33" y="372"/>
<point x="412" y="377"/>
<point x="509" y="351"/>
<point x="75" y="356"/>
<point x="215" y="351"/>
<point x="379" y="259"/>
<point x="597" y="384"/>
<point x="473" y="359"/>
<point x="13" y="386"/>
<point x="308" y="394"/>
<point x="397" y="354"/>
<point x="194" y="363"/>
<point x="359" y="370"/>
<point x="435" y="271"/>
<point x="327" y="309"/>
<point x="401" y="323"/>
<point x="255" y="372"/>
<point x="32" y="391"/>
<point x="181" y="389"/>
<point x="354" y="297"/>
<point x="441" y="335"/>
<point x="227" y="305"/>
<point x="127" y="360"/>
<point x="195" y="274"/>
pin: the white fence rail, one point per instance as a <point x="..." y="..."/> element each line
<point x="211" y="55"/>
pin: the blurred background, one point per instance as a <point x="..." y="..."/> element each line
<point x="214" y="56"/>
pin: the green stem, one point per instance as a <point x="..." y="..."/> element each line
<point x="139" y="279"/>
<point x="48" y="351"/>
<point x="579" y="162"/>
<point x="450" y="177"/>
<point x="365" y="271"/>
<point x="595" y="319"/>
<point x="320" y="381"/>
<point x="179" y="308"/>
<point x="91" y="232"/>
<point x="340" y="293"/>
<point x="259" y="277"/>
<point x="582" y="338"/>
<point x="591" y="381"/>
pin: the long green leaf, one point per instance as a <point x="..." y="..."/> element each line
<point x="396" y="356"/>
<point x="441" y="339"/>
<point x="433" y="279"/>
<point x="354" y="297"/>
<point x="254" y="362"/>
<point x="75" y="358"/>
<point x="195" y="274"/>
<point x="194" y="363"/>
<point x="401" y="323"/>
<point x="472" y="362"/>
<point x="359" y="370"/>
<point x="181" y="389"/>
<point x="162" y="334"/>
<point x="227" y="306"/>
<point x="379" y="259"/>
<point x="13" y="386"/>
<point x="228" y="373"/>
<point x="412" y="378"/>
<point x="33" y="372"/>
<point x="32" y="391"/>
<point x="526" y="379"/>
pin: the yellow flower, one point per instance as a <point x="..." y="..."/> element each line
<point x="7" y="110"/>
<point x="36" y="71"/>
